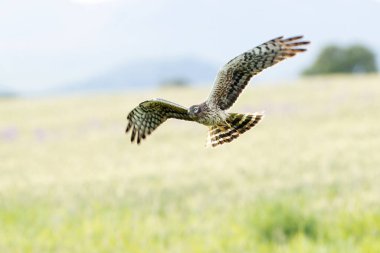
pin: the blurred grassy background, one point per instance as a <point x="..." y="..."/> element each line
<point x="306" y="179"/>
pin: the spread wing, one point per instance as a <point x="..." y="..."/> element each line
<point x="148" y="115"/>
<point x="234" y="76"/>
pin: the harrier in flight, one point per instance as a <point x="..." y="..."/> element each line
<point x="230" y="82"/>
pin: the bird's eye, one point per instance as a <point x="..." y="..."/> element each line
<point x="196" y="109"/>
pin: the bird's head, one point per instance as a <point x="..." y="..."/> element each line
<point x="195" y="111"/>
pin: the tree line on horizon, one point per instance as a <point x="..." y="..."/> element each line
<point x="334" y="59"/>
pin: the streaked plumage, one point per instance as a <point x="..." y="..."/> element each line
<point x="230" y="82"/>
<point x="146" y="117"/>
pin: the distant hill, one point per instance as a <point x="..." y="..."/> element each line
<point x="147" y="74"/>
<point x="6" y="93"/>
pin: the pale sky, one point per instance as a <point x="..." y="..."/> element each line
<point x="47" y="43"/>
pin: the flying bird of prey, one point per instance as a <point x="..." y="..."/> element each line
<point x="230" y="82"/>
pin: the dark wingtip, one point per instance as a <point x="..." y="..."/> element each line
<point x="300" y="43"/>
<point x="138" y="137"/>
<point x="299" y="50"/>
<point x="128" y="127"/>
<point x="133" y="134"/>
<point x="277" y="38"/>
<point x="293" y="38"/>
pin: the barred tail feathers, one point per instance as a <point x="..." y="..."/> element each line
<point x="239" y="123"/>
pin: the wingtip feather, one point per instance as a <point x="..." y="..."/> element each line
<point x="128" y="127"/>
<point x="293" y="38"/>
<point x="133" y="134"/>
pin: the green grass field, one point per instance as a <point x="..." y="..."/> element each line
<point x="306" y="179"/>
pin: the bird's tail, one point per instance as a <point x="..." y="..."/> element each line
<point x="238" y="124"/>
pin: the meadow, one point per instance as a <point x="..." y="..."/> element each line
<point x="305" y="179"/>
